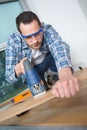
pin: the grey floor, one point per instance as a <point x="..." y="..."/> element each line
<point x="44" y="128"/>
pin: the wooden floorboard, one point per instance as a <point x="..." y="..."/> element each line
<point x="48" y="110"/>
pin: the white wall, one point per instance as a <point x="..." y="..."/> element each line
<point x="68" y="18"/>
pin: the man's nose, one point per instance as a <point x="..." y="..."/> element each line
<point x="34" y="39"/>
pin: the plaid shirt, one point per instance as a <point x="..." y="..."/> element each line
<point x="17" y="49"/>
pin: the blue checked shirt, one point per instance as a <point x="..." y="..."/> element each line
<point x="17" y="49"/>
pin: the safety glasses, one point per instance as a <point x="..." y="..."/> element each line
<point x="34" y="34"/>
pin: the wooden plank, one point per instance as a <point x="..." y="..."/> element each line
<point x="33" y="102"/>
<point x="56" y="112"/>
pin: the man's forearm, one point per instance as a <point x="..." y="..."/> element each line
<point x="65" y="72"/>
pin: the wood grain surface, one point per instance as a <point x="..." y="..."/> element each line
<point x="48" y="110"/>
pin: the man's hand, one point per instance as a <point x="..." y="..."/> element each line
<point x="68" y="84"/>
<point x="19" y="68"/>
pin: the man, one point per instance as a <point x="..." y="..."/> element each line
<point x="44" y="48"/>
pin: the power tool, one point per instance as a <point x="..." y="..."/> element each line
<point x="34" y="81"/>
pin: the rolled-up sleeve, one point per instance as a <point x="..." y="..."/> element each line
<point x="58" y="48"/>
<point x="10" y="61"/>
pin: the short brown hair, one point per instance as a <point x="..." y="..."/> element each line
<point x="26" y="17"/>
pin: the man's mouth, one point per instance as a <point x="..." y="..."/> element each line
<point x="37" y="45"/>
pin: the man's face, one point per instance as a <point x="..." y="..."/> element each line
<point x="32" y="34"/>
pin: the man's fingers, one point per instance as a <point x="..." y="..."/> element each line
<point x="55" y="92"/>
<point x="77" y="82"/>
<point x="66" y="88"/>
